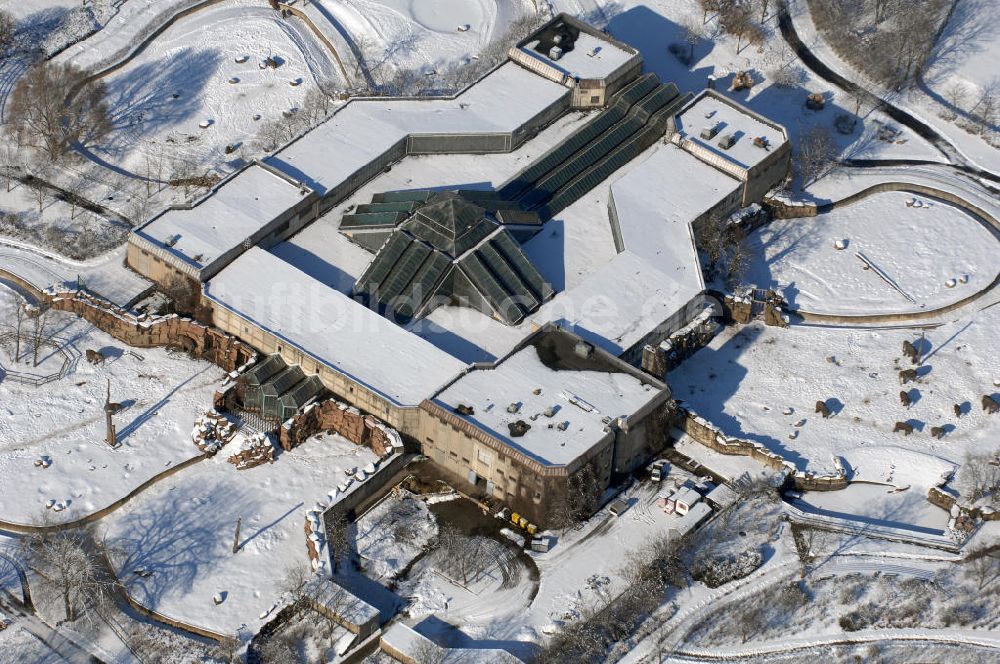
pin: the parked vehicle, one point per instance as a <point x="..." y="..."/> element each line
<point x="618" y="507"/>
<point x="658" y="470"/>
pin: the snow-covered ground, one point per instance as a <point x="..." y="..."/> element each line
<point x="189" y="76"/>
<point x="747" y="377"/>
<point x="179" y="535"/>
<point x="162" y="393"/>
<point x="392" y="534"/>
<point x="423" y="34"/>
<point x="19" y="645"/>
<point x="920" y="244"/>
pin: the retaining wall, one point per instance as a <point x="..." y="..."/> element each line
<point x="706" y="433"/>
<point x="149" y="332"/>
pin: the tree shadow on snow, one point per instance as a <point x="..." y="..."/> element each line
<point x="142" y="100"/>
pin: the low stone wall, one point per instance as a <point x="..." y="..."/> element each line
<point x="343" y="419"/>
<point x="709" y="435"/>
<point x="783" y="210"/>
<point x="151" y="331"/>
<point x="946" y="501"/>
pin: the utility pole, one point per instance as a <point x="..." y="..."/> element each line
<point x="109" y="409"/>
<point x="236" y="538"/>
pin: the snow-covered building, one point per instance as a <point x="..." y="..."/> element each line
<point x="735" y="140"/>
<point x="572" y="53"/>
<point x="409" y="298"/>
<point x="256" y="206"/>
<point x="519" y="429"/>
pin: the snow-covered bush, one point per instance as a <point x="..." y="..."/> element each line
<point x="719" y="571"/>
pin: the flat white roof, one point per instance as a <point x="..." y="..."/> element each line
<point x="583" y="399"/>
<point x="658" y="272"/>
<point x="591" y="57"/>
<point x="707" y="111"/>
<point x="658" y="199"/>
<point x="623" y="301"/>
<point x="366" y="128"/>
<point x="332" y="328"/>
<point x="234" y="211"/>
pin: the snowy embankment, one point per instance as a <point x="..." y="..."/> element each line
<point x="424" y="36"/>
<point x="174" y="544"/>
<point x="751" y="382"/>
<point x="928" y="254"/>
<point x="63" y="424"/>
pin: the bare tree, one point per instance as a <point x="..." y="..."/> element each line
<point x="983" y="567"/>
<point x="979" y="476"/>
<point x="693" y="33"/>
<point x="462" y="556"/>
<point x="40" y="333"/>
<point x="579" y="500"/>
<point x="816" y="154"/>
<point x="735" y="19"/>
<point x="428" y="652"/>
<point x="338" y="537"/>
<point x="71" y="568"/>
<point x="19" y="316"/>
<point x="6" y="31"/>
<point x="53" y="108"/>
<point x="957" y="95"/>
<point x="986" y="108"/>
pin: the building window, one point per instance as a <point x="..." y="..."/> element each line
<point x="484" y="457"/>
<point x="454" y="456"/>
<point x="537" y="497"/>
<point x="430" y="440"/>
<point x="464" y="460"/>
<point x="595" y="99"/>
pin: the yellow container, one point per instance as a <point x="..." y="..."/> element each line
<point x="515" y="518"/>
<point x="532" y="529"/>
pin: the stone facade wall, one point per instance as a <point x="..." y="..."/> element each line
<point x="339" y="417"/>
<point x="151" y="331"/>
<point x="657" y="360"/>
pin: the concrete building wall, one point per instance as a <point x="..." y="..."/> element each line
<point x="403" y="418"/>
<point x="767" y="174"/>
<point x="491" y="467"/>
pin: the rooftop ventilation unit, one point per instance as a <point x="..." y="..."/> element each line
<point x="709" y="132"/>
<point x="727" y="141"/>
<point x="583" y="349"/>
<point x="562" y="426"/>
<point x="172" y="240"/>
<point x="551" y="411"/>
<point x="555" y="53"/>
<point x="514" y="407"/>
<point x="462" y="409"/>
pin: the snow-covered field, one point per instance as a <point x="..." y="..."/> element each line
<point x="189" y="76"/>
<point x="920" y="246"/>
<point x="748" y="376"/>
<point x="161" y="395"/>
<point x="180" y="534"/>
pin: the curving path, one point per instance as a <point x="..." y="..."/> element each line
<point x="922" y="129"/>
